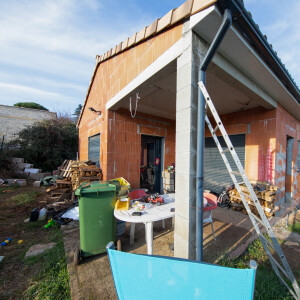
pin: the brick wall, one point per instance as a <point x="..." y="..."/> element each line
<point x="112" y="76"/>
<point x="124" y="143"/>
<point x="13" y="119"/>
<point x="266" y="142"/>
<point x="259" y="125"/>
<point x="287" y="125"/>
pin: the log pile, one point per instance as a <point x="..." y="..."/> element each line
<point x="265" y="193"/>
<point x="72" y="174"/>
<point x="82" y="172"/>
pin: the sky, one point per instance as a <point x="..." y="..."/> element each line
<point x="48" y="47"/>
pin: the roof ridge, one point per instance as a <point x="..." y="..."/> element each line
<point x="174" y="16"/>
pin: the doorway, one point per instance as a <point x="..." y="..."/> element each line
<point x="151" y="163"/>
<point x="288" y="169"/>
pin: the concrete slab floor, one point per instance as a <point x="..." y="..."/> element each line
<point x="93" y="279"/>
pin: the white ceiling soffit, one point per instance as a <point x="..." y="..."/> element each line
<point x="166" y="58"/>
<point x="160" y="63"/>
<point x="244" y="59"/>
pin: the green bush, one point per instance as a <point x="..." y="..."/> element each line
<point x="32" y="105"/>
<point x="47" y="144"/>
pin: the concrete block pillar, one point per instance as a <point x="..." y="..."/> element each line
<point x="186" y="146"/>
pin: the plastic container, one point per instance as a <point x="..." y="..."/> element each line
<point x="42" y="214"/>
<point x="121" y="228"/>
<point x="122" y="186"/>
<point x="96" y="217"/>
<point x="122" y="203"/>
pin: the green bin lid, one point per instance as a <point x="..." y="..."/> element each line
<point x="95" y="187"/>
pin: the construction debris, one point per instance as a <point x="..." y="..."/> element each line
<point x="266" y="195"/>
<point x="71" y="175"/>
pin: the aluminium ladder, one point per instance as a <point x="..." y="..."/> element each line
<point x="271" y="241"/>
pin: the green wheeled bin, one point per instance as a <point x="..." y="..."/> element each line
<point x="96" y="218"/>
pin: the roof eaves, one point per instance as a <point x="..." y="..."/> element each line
<point x="187" y="9"/>
<point x="244" y="22"/>
<point x="173" y="17"/>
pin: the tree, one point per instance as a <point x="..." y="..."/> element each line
<point x="77" y="113"/>
<point x="48" y="143"/>
<point x="32" y="105"/>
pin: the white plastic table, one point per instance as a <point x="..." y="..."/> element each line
<point x="149" y="215"/>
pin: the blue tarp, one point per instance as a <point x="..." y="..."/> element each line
<point x="151" y="277"/>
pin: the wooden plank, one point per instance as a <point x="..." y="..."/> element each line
<point x="66" y="171"/>
<point x="62" y="182"/>
<point x="267" y="209"/>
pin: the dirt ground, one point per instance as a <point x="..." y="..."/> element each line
<point x="14" y="273"/>
<point x="92" y="279"/>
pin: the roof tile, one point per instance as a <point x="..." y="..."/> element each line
<point x="165" y="21"/>
<point x="182" y="11"/>
<point x="113" y="50"/>
<point x="125" y="44"/>
<point x="188" y="8"/>
<point x="201" y="4"/>
<point x="108" y="55"/>
<point x="131" y="40"/>
<point x="140" y="35"/>
<point x="119" y="48"/>
<point x="151" y="29"/>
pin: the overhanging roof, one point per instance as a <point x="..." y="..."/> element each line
<point x="242" y="20"/>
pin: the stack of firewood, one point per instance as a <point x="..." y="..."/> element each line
<point x="265" y="193"/>
<point x="83" y="171"/>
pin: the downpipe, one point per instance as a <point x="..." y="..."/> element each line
<point x="227" y="21"/>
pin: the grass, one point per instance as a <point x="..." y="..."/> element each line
<point x="5" y="189"/>
<point x="52" y="282"/>
<point x="24" y="198"/>
<point x="267" y="284"/>
<point x="295" y="227"/>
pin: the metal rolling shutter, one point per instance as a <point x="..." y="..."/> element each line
<point x="216" y="176"/>
<point x="94" y="149"/>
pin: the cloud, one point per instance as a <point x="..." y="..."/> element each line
<point x="48" y="49"/>
<point x="25" y="90"/>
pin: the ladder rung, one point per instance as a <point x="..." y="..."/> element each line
<point x="216" y="129"/>
<point x="279" y="266"/>
<point x="224" y="151"/>
<point x="257" y="219"/>
<point x="268" y="242"/>
<point x="236" y="173"/>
